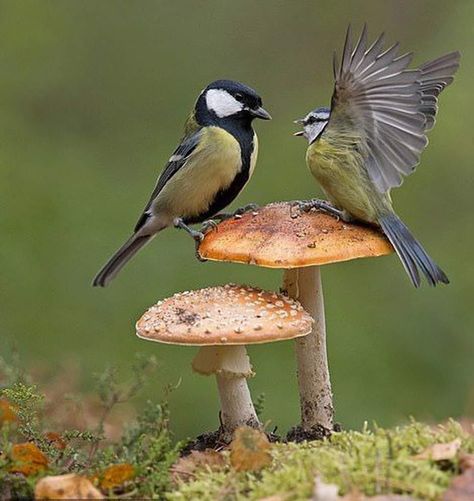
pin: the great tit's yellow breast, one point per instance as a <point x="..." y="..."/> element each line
<point x="254" y="155"/>
<point x="211" y="167"/>
<point x="338" y="168"/>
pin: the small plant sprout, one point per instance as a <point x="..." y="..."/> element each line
<point x="222" y="320"/>
<point x="279" y="235"/>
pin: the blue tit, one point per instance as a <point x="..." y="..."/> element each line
<point x="373" y="135"/>
<point x="206" y="172"/>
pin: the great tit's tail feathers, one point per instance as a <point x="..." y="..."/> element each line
<point x="412" y="255"/>
<point x="120" y="259"/>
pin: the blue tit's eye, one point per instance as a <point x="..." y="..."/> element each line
<point x="239" y="97"/>
<point x="311" y="120"/>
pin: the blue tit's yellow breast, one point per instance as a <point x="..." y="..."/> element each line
<point x="211" y="167"/>
<point x="339" y="169"/>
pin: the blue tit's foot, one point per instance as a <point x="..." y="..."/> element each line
<point x="324" y="206"/>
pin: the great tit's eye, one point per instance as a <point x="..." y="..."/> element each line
<point x="239" y="97"/>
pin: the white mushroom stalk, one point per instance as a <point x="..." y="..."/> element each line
<point x="231" y="366"/>
<point x="304" y="284"/>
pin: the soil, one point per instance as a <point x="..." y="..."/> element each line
<point x="213" y="440"/>
<point x="298" y="434"/>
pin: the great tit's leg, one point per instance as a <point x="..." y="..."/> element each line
<point x="196" y="235"/>
<point x="245" y="208"/>
<point x="222" y="216"/>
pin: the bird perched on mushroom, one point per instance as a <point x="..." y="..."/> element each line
<point x="206" y="172"/>
<point x="373" y="135"/>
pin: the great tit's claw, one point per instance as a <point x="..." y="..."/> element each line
<point x="198" y="236"/>
<point x="208" y="225"/>
<point x="245" y="208"/>
<point x="196" y="251"/>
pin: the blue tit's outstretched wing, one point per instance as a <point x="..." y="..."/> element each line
<point x="386" y="108"/>
<point x="177" y="160"/>
<point x="435" y="76"/>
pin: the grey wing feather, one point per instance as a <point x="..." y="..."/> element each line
<point x="435" y="76"/>
<point x="175" y="163"/>
<point x="389" y="107"/>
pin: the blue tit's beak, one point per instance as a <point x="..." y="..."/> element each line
<point x="300" y="121"/>
<point x="260" y="113"/>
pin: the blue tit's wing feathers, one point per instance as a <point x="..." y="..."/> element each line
<point x="177" y="160"/>
<point x="385" y="107"/>
<point x="435" y="76"/>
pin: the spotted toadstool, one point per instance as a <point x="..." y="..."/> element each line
<point x="222" y="320"/>
<point x="279" y="235"/>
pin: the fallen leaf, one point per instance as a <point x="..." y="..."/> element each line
<point x="466" y="461"/>
<point x="7" y="412"/>
<point x="55" y="439"/>
<point x="249" y="450"/>
<point x="69" y="486"/>
<point x="185" y="468"/>
<point x="461" y="488"/>
<point x="441" y="452"/>
<point x="27" y="459"/>
<point x="116" y="475"/>
<point x="325" y="492"/>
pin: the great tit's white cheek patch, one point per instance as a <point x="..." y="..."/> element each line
<point x="222" y="103"/>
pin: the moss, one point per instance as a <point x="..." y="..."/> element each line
<point x="372" y="462"/>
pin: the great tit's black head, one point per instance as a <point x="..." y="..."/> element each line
<point x="314" y="123"/>
<point x="224" y="99"/>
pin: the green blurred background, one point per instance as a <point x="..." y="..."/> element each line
<point x="93" y="96"/>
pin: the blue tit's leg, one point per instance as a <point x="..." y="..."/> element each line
<point x="324" y="206"/>
<point x="196" y="235"/>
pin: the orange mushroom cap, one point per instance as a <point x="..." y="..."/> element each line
<point x="279" y="235"/>
<point x="224" y="315"/>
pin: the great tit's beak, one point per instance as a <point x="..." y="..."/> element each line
<point x="260" y="113"/>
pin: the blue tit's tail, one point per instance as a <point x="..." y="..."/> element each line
<point x="410" y="252"/>
<point x="120" y="259"/>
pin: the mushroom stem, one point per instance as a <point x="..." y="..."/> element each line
<point x="304" y="284"/>
<point x="231" y="366"/>
<point x="236" y="404"/>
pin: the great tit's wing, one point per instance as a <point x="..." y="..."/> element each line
<point x="177" y="160"/>
<point x="384" y="108"/>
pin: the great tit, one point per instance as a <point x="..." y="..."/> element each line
<point x="373" y="135"/>
<point x="206" y="172"/>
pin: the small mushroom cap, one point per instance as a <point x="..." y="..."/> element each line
<point x="225" y="315"/>
<point x="279" y="235"/>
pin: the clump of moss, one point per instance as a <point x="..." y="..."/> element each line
<point x="371" y="462"/>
